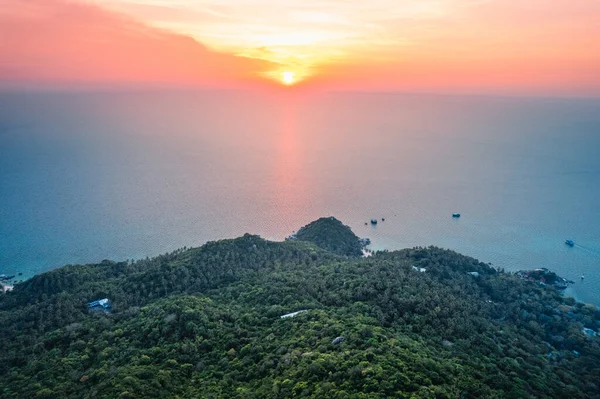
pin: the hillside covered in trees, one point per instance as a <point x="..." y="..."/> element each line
<point x="332" y="235"/>
<point x="206" y="323"/>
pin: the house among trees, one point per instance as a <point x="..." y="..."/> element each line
<point x="100" y="305"/>
<point x="285" y="316"/>
<point x="338" y="340"/>
<point x="4" y="288"/>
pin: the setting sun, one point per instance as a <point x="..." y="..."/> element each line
<point x="288" y="77"/>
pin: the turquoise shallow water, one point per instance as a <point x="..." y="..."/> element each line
<point x="127" y="175"/>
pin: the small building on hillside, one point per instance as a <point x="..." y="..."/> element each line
<point x="100" y="305"/>
<point x="285" y="316"/>
<point x="4" y="288"/>
<point x="338" y="340"/>
<point x="589" y="332"/>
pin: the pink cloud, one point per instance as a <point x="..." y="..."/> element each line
<point x="60" y="41"/>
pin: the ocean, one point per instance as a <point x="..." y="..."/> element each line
<point x="126" y="175"/>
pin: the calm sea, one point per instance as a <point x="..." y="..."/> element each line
<point x="86" y="177"/>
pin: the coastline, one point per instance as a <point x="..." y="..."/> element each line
<point x="369" y="249"/>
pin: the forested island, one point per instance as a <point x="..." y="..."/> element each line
<point x="332" y="235"/>
<point x="206" y="323"/>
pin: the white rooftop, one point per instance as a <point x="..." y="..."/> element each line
<point x="285" y="316"/>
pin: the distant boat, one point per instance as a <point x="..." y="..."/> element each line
<point x="456" y="215"/>
<point x="570" y="243"/>
<point x="373" y="221"/>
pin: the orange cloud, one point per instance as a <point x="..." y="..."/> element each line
<point x="492" y="46"/>
<point x="49" y="41"/>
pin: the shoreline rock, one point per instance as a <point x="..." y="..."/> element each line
<point x="544" y="277"/>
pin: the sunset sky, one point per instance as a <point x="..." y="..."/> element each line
<point x="487" y="46"/>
